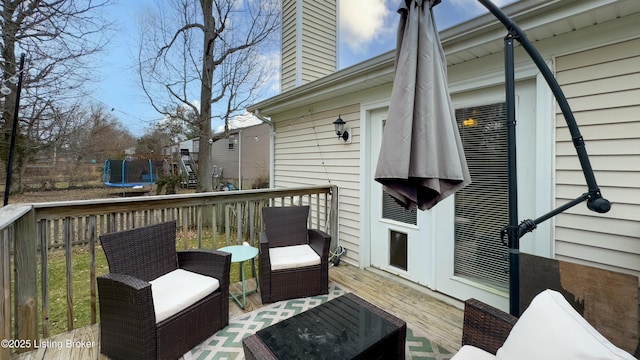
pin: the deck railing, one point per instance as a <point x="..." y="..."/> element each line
<point x="28" y="232"/>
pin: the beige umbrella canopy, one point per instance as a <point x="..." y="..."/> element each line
<point x="421" y="157"/>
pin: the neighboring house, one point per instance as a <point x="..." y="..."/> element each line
<point x="192" y="146"/>
<point x="175" y="151"/>
<point x="249" y="147"/>
<point x="184" y="160"/>
<point x="593" y="46"/>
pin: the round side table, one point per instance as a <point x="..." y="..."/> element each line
<point x="240" y="254"/>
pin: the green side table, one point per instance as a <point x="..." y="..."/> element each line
<point x="240" y="254"/>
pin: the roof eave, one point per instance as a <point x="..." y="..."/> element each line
<point x="375" y="71"/>
<point x="380" y="69"/>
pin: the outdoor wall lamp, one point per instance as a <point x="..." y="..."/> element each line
<point x="340" y="129"/>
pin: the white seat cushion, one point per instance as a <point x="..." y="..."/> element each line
<point x="468" y="352"/>
<point x="551" y="329"/>
<point x="179" y="289"/>
<point x="290" y="257"/>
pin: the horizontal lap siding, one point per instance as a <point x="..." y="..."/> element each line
<point x="289" y="50"/>
<point x="308" y="152"/>
<point x="603" y="89"/>
<point x="319" y="29"/>
<point x="309" y="42"/>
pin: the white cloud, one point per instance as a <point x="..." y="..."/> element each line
<point x="271" y="62"/>
<point x="363" y="21"/>
<point x="240" y="121"/>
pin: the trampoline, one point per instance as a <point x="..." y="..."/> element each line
<point x="133" y="173"/>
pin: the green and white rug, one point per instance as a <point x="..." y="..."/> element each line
<point x="226" y="344"/>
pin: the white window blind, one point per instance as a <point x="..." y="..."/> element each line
<point x="481" y="209"/>
<point x="392" y="210"/>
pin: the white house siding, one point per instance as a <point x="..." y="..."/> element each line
<point x="289" y="53"/>
<point x="602" y="85"/>
<point x="314" y="24"/>
<point x="319" y="30"/>
<point x="308" y="152"/>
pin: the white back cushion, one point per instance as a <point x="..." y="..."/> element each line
<point x="551" y="329"/>
<point x="289" y="257"/>
<point x="179" y="289"/>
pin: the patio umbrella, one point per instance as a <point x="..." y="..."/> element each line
<point x="421" y="157"/>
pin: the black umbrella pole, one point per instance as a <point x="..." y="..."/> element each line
<point x="595" y="201"/>
<point x="512" y="173"/>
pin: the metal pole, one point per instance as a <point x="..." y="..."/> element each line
<point x="512" y="173"/>
<point x="240" y="159"/>
<point x="14" y="130"/>
<point x="595" y="201"/>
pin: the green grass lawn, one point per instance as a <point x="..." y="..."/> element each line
<point x="81" y="280"/>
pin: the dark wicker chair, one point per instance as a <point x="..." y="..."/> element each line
<point x="287" y="226"/>
<point x="487" y="327"/>
<point x="128" y="327"/>
<point x="484" y="326"/>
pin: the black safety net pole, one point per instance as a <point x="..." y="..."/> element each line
<point x="14" y="131"/>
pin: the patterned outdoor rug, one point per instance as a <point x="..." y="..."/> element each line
<point x="226" y="344"/>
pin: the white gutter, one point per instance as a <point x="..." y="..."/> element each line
<point x="272" y="145"/>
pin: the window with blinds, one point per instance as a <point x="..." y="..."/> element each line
<point x="392" y="210"/>
<point x="481" y="209"/>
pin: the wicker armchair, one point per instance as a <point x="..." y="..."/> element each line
<point x="484" y="326"/>
<point x="287" y="227"/>
<point x="583" y="287"/>
<point x="128" y="326"/>
<point x="487" y="327"/>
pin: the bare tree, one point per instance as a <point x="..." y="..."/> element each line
<point x="96" y="135"/>
<point x="210" y="50"/>
<point x="93" y="134"/>
<point x="59" y="38"/>
<point x="153" y="141"/>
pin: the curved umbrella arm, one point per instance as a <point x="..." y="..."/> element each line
<point x="595" y="201"/>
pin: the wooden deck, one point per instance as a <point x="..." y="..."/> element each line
<point x="440" y="318"/>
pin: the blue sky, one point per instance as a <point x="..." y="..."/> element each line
<point x="367" y="28"/>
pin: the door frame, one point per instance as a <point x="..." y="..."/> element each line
<point x="369" y="199"/>
<point x="366" y="109"/>
<point x="420" y="248"/>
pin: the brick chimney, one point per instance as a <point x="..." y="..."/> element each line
<point x="309" y="41"/>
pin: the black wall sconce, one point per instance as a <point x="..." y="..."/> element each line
<point x="340" y="129"/>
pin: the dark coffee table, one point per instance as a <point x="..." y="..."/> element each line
<point x="346" y="327"/>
